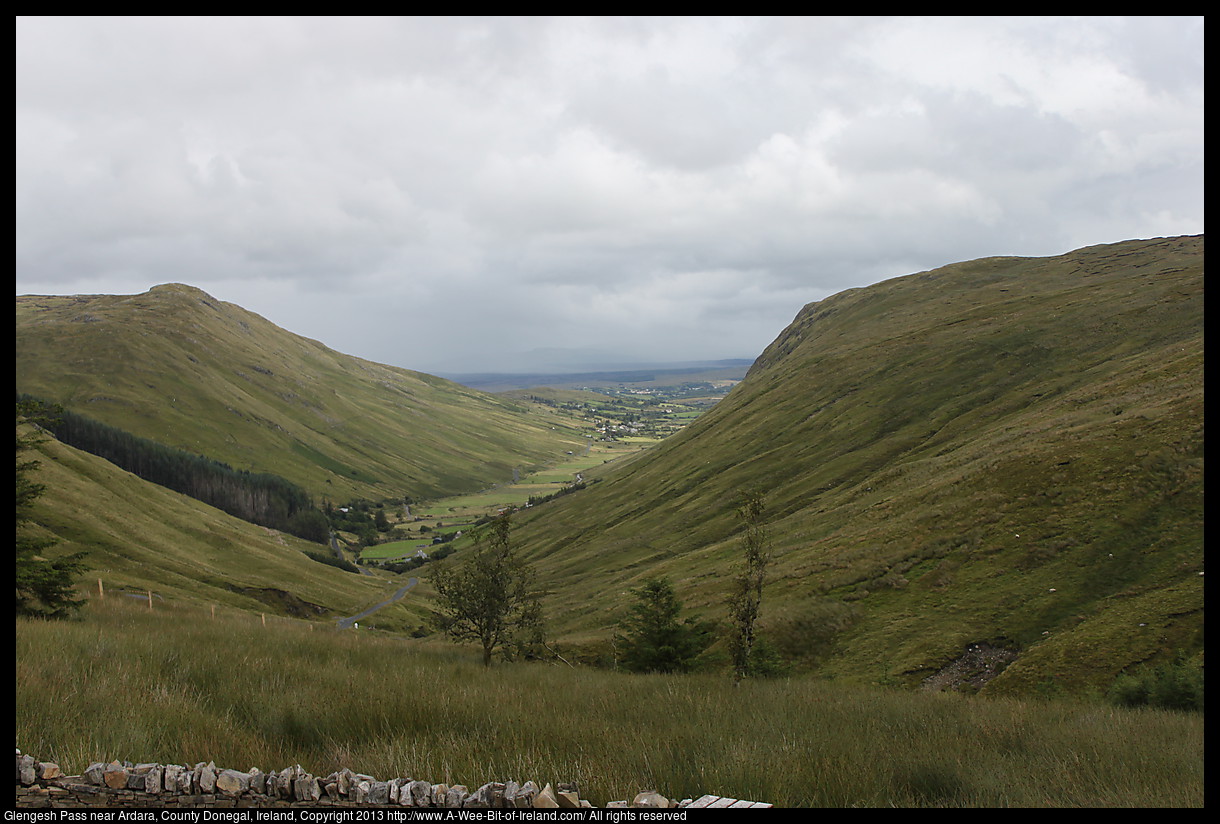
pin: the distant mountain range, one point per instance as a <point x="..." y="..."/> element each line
<point x="666" y="373"/>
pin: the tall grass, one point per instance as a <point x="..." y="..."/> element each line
<point x="177" y="686"/>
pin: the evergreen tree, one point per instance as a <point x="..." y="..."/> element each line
<point x="653" y="639"/>
<point x="44" y="585"/>
<point x="309" y="524"/>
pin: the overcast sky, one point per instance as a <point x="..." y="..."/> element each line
<point x="468" y="194"/>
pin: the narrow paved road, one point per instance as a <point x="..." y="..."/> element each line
<point x="334" y="544"/>
<point x="346" y="623"/>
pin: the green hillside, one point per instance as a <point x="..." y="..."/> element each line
<point x="1007" y="451"/>
<point x="181" y="368"/>
<point x="141" y="538"/>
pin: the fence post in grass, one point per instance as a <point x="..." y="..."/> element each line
<point x="213" y="612"/>
<point x="101" y="593"/>
<point x="150" y="600"/>
<point x="264" y="618"/>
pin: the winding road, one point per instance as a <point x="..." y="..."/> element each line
<point x="346" y="623"/>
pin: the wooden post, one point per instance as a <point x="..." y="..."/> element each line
<point x="101" y="593"/>
<point x="150" y="600"/>
<point x="264" y="619"/>
<point x="213" y="612"/>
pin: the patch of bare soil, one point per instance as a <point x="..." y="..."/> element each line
<point x="286" y="601"/>
<point x="977" y="665"/>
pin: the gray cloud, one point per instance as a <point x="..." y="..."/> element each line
<point x="455" y="193"/>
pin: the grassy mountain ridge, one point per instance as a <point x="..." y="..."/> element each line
<point x="181" y="368"/>
<point x="1006" y="450"/>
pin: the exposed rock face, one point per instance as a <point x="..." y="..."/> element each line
<point x="283" y="600"/>
<point x="977" y="665"/>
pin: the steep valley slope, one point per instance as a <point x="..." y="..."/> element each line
<point x="1004" y="454"/>
<point x="145" y="541"/>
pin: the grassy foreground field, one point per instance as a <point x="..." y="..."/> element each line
<point x="176" y="686"/>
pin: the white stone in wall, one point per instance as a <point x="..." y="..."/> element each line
<point x="284" y="782"/>
<point x="545" y="800"/>
<point x="232" y="782"/>
<point x="456" y="796"/>
<point x="93" y="774"/>
<point x="154" y="779"/>
<point x="207" y="777"/>
<point x="650" y="800"/>
<point x="171" y="775"/>
<point x="49" y="769"/>
<point x="114" y="776"/>
<point x="480" y="799"/>
<point x="421" y="793"/>
<point x="27" y="772"/>
<point x="186" y="781"/>
<point x="305" y="788"/>
<point x="525" y="796"/>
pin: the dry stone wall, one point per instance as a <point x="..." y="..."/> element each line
<point x="119" y="784"/>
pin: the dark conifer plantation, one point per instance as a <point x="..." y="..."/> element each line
<point x="258" y="497"/>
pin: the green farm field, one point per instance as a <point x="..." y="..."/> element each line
<point x="462" y="511"/>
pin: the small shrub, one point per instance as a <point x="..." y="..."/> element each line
<point x="1172" y="686"/>
<point x="766" y="661"/>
